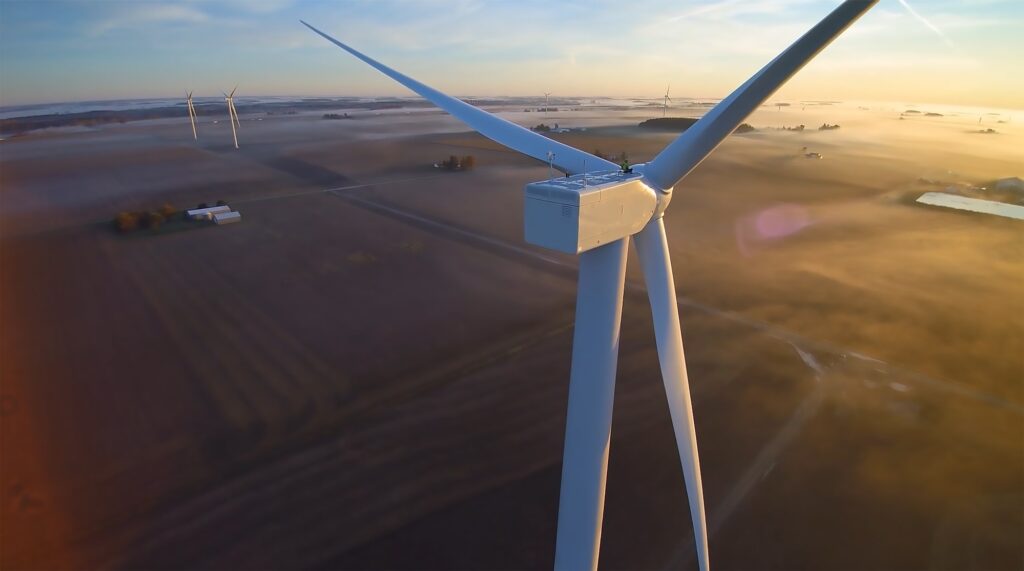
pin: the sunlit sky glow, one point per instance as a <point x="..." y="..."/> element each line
<point x="964" y="52"/>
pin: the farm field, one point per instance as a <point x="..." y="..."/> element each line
<point x="370" y="370"/>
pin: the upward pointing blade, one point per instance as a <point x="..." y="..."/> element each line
<point x="513" y="136"/>
<point x="697" y="142"/>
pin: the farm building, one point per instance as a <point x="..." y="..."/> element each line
<point x="207" y="213"/>
<point x="227" y="217"/>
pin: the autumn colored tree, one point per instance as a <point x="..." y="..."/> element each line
<point x="153" y="220"/>
<point x="126" y="221"/>
<point x="167" y="210"/>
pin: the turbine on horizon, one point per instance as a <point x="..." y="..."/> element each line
<point x="593" y="212"/>
<point x="664" y="108"/>
<point x="233" y="114"/>
<point x="192" y="115"/>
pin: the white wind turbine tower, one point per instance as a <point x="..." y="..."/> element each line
<point x="546" y="95"/>
<point x="192" y="115"/>
<point x="664" y="108"/>
<point x="232" y="114"/>
<point x="593" y="213"/>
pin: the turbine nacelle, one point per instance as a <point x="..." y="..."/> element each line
<point x="581" y="212"/>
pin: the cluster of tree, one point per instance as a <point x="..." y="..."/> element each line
<point x="542" y="128"/>
<point x="454" y="163"/>
<point x="337" y="116"/>
<point x="797" y="128"/>
<point x="128" y="221"/>
<point x="827" y="127"/>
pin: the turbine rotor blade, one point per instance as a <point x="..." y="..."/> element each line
<point x="652" y="250"/>
<point x="567" y="159"/>
<point x="588" y="423"/>
<point x="192" y="117"/>
<point x="231" y="120"/>
<point x="686" y="152"/>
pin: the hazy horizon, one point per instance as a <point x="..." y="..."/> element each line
<point x="682" y="103"/>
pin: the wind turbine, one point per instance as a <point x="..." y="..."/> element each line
<point x="192" y="114"/>
<point x="546" y="95"/>
<point x="664" y="109"/>
<point x="232" y="114"/>
<point x="593" y="213"/>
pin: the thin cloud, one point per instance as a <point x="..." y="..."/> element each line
<point x="928" y="24"/>
<point x="134" y="15"/>
<point x="731" y="9"/>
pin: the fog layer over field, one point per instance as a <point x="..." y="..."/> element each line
<point x="370" y="370"/>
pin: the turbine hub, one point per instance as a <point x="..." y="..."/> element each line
<point x="664" y="197"/>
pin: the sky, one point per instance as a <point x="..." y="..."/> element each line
<point x="965" y="52"/>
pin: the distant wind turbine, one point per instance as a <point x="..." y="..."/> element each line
<point x="191" y="115"/>
<point x="664" y="108"/>
<point x="593" y="213"/>
<point x="233" y="114"/>
<point x="546" y="95"/>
